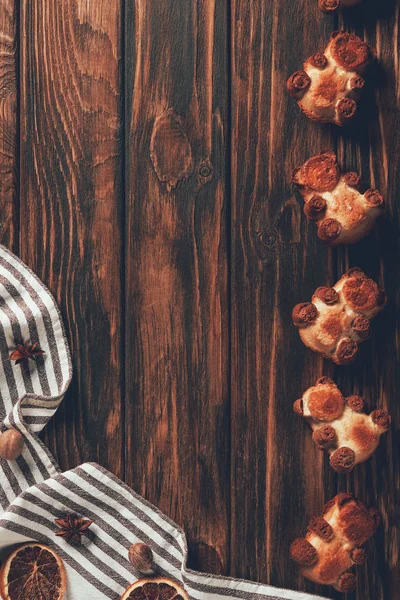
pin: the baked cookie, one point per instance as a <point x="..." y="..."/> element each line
<point x="328" y="87"/>
<point x="333" y="543"/>
<point x="338" y="317"/>
<point x="332" y="6"/>
<point x="339" y="424"/>
<point x="342" y="213"/>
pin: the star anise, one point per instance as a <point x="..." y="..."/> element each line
<point x="25" y="351"/>
<point x="72" y="527"/>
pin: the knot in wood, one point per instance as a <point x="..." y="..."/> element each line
<point x="268" y="238"/>
<point x="205" y="169"/>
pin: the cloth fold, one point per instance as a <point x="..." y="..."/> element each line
<point x="29" y="393"/>
<point x="33" y="491"/>
<point x="99" y="567"/>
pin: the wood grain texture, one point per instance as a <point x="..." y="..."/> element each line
<point x="177" y="388"/>
<point x="8" y="124"/>
<point x="153" y="144"/>
<point x="279" y="480"/>
<point x="71" y="207"/>
<point x="372" y="147"/>
<point x="277" y="474"/>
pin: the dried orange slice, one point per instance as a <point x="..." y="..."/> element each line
<point x="33" y="571"/>
<point x="157" y="588"/>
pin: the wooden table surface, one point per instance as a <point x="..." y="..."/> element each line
<point x="146" y="149"/>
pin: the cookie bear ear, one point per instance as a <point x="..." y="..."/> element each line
<point x="347" y="524"/>
<point x="338" y="318"/>
<point x="302" y="552"/>
<point x="330" y="7"/>
<point x="304" y="314"/>
<point x="341" y="212"/>
<point x="346" y="583"/>
<point x="319" y="92"/>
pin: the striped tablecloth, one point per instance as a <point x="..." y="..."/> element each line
<point x="33" y="491"/>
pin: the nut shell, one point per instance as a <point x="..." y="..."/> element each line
<point x="141" y="557"/>
<point x="11" y="444"/>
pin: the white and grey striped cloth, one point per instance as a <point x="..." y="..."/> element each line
<point x="33" y="492"/>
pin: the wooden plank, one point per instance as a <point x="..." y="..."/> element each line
<point x="8" y="125"/>
<point x="177" y="355"/>
<point x="279" y="479"/>
<point x="372" y="147"/>
<point x="71" y="207"/>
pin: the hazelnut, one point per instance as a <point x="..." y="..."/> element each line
<point x="141" y="557"/>
<point x="11" y="444"/>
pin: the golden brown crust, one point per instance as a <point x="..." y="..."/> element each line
<point x="346" y="108"/>
<point x="346" y="351"/>
<point x="381" y="418"/>
<point x="298" y="83"/>
<point x="315" y="208"/>
<point x="362" y="326"/>
<point x="346" y="583"/>
<point x="320" y="172"/>
<point x="338" y="319"/>
<point x="343" y="214"/>
<point x="298" y="406"/>
<point x="356" y="403"/>
<point x="327" y="294"/>
<point x="323" y="379"/>
<point x="374" y="197"/>
<point x="330" y="7"/>
<point x="318" y="60"/>
<point x="352" y="179"/>
<point x="340" y="426"/>
<point x="303" y="552"/>
<point x="349" y="51"/>
<point x="329" y="230"/>
<point x="357" y="524"/>
<point x="321" y="528"/>
<point x="304" y="314"/>
<point x="359" y="556"/>
<point x="361" y="293"/>
<point x="342" y="460"/>
<point x="324" y="436"/>
<point x="327" y="88"/>
<point x="331" y="546"/>
<point x="325" y="403"/>
<point x="357" y="82"/>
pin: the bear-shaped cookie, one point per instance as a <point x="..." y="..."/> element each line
<point x="333" y="543"/>
<point x="342" y="213"/>
<point x="338" y="317"/>
<point x="328" y="87"/>
<point x="339" y="424"/>
<point x="331" y="6"/>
